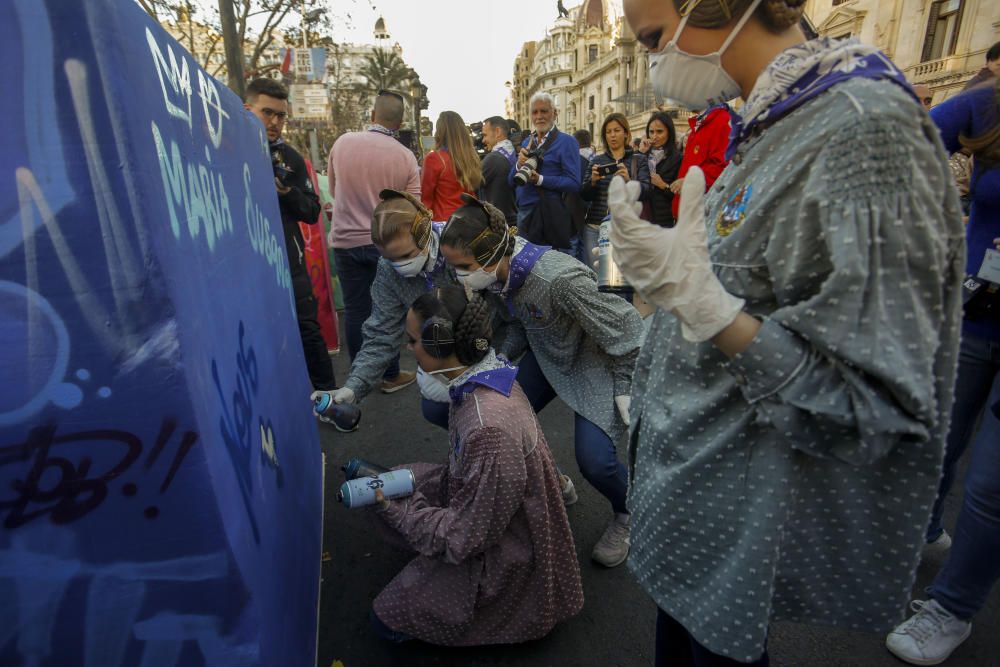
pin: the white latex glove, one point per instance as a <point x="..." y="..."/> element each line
<point x="670" y="267"/>
<point x="342" y="395"/>
<point x="623" y="403"/>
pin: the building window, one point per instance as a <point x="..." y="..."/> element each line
<point x="590" y="103"/>
<point x="591" y="53"/>
<point x="609" y="93"/>
<point x="943" y="21"/>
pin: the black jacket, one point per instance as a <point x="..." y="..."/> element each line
<point x="638" y="169"/>
<point x="661" y="201"/>
<point x="300" y="204"/>
<point x="495" y="188"/>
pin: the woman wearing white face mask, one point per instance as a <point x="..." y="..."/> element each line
<point x="793" y="394"/>
<point x="495" y="559"/>
<point x="411" y="265"/>
<point x="583" y="344"/>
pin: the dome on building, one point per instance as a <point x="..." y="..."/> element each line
<point x="381" y="30"/>
<point x="593" y="14"/>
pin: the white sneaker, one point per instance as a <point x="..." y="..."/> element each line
<point x="929" y="636"/>
<point x="938" y="548"/>
<point x="612" y="548"/>
<point x="568" y="490"/>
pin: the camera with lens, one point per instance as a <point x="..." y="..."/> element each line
<point x="281" y="170"/>
<point x="531" y="165"/>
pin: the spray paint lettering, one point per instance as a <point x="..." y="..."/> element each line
<point x="236" y="417"/>
<point x="201" y="195"/>
<point x="62" y="479"/>
<point x="263" y="241"/>
<point x="178" y="77"/>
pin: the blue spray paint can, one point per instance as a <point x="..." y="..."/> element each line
<point x="361" y="492"/>
<point x="360" y="468"/>
<point x="345" y="417"/>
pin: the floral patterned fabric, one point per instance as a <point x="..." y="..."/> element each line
<point x="802" y="72"/>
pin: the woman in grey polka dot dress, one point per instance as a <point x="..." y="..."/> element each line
<point x="578" y="344"/>
<point x="792" y="396"/>
<point x="496" y="562"/>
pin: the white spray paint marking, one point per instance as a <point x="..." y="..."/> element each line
<point x="178" y="76"/>
<point x="117" y="247"/>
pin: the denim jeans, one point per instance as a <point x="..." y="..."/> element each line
<point x="595" y="451"/>
<point x="977" y="381"/>
<point x="675" y="647"/>
<point x="523" y="213"/>
<point x="356" y="269"/>
<point x="973" y="566"/>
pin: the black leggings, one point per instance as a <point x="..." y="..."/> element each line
<point x="675" y="647"/>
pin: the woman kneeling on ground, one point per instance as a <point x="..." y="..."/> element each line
<point x="496" y="562"/>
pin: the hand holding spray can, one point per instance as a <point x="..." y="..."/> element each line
<point x="356" y="468"/>
<point x="361" y="492"/>
<point x="344" y="416"/>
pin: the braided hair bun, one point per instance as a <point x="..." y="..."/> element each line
<point x="474" y="330"/>
<point x="479" y="228"/>
<point x="779" y="15"/>
<point x="455" y="324"/>
<point x="776" y="15"/>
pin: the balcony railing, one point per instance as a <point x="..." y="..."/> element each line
<point x="943" y="67"/>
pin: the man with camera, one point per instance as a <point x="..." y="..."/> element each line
<point x="268" y="100"/>
<point x="547" y="168"/>
<point x="499" y="160"/>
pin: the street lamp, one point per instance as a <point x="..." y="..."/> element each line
<point x="309" y="17"/>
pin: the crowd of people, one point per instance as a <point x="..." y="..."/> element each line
<point x="817" y="345"/>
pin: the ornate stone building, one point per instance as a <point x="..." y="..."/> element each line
<point x="592" y="65"/>
<point x="941" y="43"/>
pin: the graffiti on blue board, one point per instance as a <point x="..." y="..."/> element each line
<point x="155" y="432"/>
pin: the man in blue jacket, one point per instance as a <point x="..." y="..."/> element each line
<point x="558" y="173"/>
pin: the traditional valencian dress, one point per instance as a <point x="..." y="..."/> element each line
<point x="496" y="562"/>
<point x="795" y="481"/>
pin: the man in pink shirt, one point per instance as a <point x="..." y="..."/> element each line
<point x="362" y="164"/>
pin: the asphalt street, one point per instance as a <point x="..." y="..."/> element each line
<point x="616" y="625"/>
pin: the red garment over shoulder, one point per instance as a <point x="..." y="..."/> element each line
<point x="706" y="148"/>
<point x="439" y="187"/>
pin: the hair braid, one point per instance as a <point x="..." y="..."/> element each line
<point x="473" y="331"/>
<point x="776" y="15"/>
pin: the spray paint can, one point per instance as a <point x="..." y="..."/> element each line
<point x="345" y="417"/>
<point x="360" y="468"/>
<point x="361" y="492"/>
<point x="609" y="276"/>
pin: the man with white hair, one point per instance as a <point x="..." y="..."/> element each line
<point x="541" y="215"/>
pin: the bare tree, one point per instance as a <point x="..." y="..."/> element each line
<point x="259" y="24"/>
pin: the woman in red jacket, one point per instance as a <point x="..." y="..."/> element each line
<point x="451" y="168"/>
<point x="706" y="148"/>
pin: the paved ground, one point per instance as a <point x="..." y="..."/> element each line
<point x="616" y="625"/>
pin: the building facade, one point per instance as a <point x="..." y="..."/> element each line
<point x="941" y="43"/>
<point x="592" y="65"/>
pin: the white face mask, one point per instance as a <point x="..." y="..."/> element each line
<point x="440" y="376"/>
<point x="480" y="279"/>
<point x="697" y="82"/>
<point x="410" y="267"/>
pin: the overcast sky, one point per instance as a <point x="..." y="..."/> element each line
<point x="463" y="50"/>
